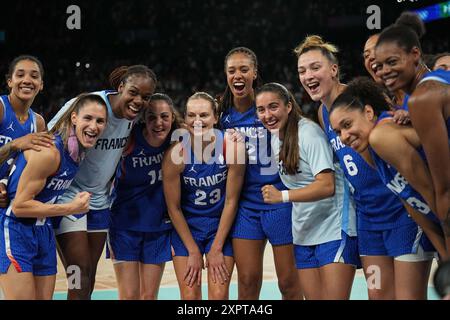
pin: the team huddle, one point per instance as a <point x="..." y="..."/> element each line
<point x="367" y="186"/>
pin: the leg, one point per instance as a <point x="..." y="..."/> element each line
<point x="411" y="279"/>
<point x="287" y="274"/>
<point x="96" y="245"/>
<point x="73" y="248"/>
<point x="380" y="277"/>
<point x="218" y="291"/>
<point x="150" y="279"/>
<point x="186" y="292"/>
<point x="127" y="275"/>
<point x="18" y="285"/>
<point x="249" y="255"/>
<point x="310" y="283"/>
<point x="337" y="281"/>
<point x="45" y="286"/>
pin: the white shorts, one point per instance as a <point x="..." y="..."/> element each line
<point x="70" y="225"/>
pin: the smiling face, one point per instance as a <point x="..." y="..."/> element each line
<point x="395" y="66"/>
<point x="369" y="57"/>
<point x="353" y="126"/>
<point x="317" y="74"/>
<point x="134" y="94"/>
<point x="200" y="117"/>
<point x="26" y="80"/>
<point x="241" y="73"/>
<point x="158" y="122"/>
<point x="272" y="111"/>
<point x="90" y="122"/>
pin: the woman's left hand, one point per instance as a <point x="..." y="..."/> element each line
<point x="215" y="262"/>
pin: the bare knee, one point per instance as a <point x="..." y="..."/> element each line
<point x="249" y="286"/>
<point x="218" y="293"/>
<point x="129" y="293"/>
<point x="79" y="281"/>
<point x="191" y="294"/>
<point x="151" y="295"/>
<point x="414" y="294"/>
<point x="379" y="294"/>
<point x="290" y="287"/>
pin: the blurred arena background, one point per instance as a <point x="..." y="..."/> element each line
<point x="185" y="42"/>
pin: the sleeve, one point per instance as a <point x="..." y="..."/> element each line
<point x="314" y="148"/>
<point x="60" y="113"/>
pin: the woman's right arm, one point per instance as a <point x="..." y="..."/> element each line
<point x="172" y="192"/>
<point x="41" y="165"/>
<point x="428" y="116"/>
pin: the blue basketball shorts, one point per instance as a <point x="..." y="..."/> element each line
<point x="344" y="250"/>
<point x="30" y="247"/>
<point x="98" y="220"/>
<point x="274" y="225"/>
<point x="394" y="242"/>
<point x="203" y="230"/>
<point x="144" y="247"/>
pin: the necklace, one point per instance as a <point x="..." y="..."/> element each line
<point x="22" y="118"/>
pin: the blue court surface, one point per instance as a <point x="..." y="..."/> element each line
<point x="269" y="291"/>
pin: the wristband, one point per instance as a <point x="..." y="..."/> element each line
<point x="285" y="195"/>
<point x="4" y="181"/>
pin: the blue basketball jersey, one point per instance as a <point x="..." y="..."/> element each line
<point x="139" y="203"/>
<point x="260" y="169"/>
<point x="377" y="208"/>
<point x="203" y="185"/>
<point x="398" y="185"/>
<point x="404" y="105"/>
<point x="441" y="76"/>
<point x="11" y="128"/>
<point x="55" y="185"/>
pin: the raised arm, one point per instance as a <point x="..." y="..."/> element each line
<point x="172" y="192"/>
<point x="32" y="180"/>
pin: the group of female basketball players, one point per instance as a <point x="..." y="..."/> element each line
<point x="368" y="186"/>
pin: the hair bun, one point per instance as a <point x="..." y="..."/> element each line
<point x="411" y="20"/>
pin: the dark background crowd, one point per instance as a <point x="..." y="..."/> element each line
<point x="185" y="41"/>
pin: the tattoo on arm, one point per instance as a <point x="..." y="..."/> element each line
<point x="5" y="152"/>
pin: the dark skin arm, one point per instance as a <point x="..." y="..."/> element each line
<point x="429" y="108"/>
<point x="401" y="153"/>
